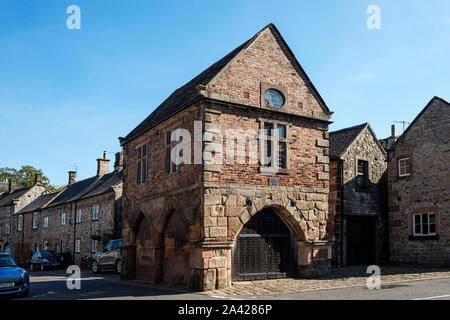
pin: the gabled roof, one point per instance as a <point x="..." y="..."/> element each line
<point x="8" y="198"/>
<point x="88" y="187"/>
<point x="189" y="94"/>
<point x="340" y="140"/>
<point x="432" y="101"/>
<point x="38" y="203"/>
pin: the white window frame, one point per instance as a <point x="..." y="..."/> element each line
<point x="35" y="224"/>
<point x="421" y="234"/>
<point x="400" y="174"/>
<point x="19" y="222"/>
<point x="45" y="223"/>
<point x="7" y="228"/>
<point x="77" y="245"/>
<point x="94" y="246"/>
<point x="95" y="211"/>
<point x="63" y="219"/>
<point x="63" y="247"/>
<point x="79" y="216"/>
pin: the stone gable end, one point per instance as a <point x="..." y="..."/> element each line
<point x="266" y="60"/>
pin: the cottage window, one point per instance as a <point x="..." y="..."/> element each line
<point x="7" y="229"/>
<point x="362" y="175"/>
<point x="95" y="210"/>
<point x="404" y="167"/>
<point x="79" y="215"/>
<point x="63" y="246"/>
<point x="171" y="164"/>
<point x="46" y="222"/>
<point x="274" y="146"/>
<point x="142" y="163"/>
<point x="35" y="220"/>
<point x="63" y="219"/>
<point x="7" y="211"/>
<point x="19" y="223"/>
<point x="77" y="245"/>
<point x="424" y="224"/>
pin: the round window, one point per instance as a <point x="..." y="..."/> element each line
<point x="274" y="98"/>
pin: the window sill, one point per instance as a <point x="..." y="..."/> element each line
<point x="404" y="175"/>
<point x="420" y="238"/>
<point x="274" y="171"/>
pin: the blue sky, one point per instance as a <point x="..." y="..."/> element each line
<point x="67" y="95"/>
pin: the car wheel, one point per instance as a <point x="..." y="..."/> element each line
<point x="95" y="268"/>
<point x="119" y="266"/>
<point x="42" y="267"/>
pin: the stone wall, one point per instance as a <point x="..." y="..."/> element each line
<point x="426" y="189"/>
<point x="371" y="201"/>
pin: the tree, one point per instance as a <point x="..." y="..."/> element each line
<point x="25" y="177"/>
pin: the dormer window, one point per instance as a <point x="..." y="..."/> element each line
<point x="274" y="98"/>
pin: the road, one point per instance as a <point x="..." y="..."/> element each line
<point x="52" y="285"/>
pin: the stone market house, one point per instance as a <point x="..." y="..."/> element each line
<point x="358" y="197"/>
<point x="79" y="220"/>
<point x="203" y="225"/>
<point x="419" y="189"/>
<point x="11" y="202"/>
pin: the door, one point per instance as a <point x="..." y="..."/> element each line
<point x="361" y="240"/>
<point x="264" y="249"/>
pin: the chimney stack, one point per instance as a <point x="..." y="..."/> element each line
<point x="393" y="130"/>
<point x="102" y="165"/>
<point x="72" y="175"/>
<point x="38" y="178"/>
<point x="12" y="185"/>
<point x="118" y="164"/>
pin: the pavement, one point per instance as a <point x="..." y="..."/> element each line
<point x="343" y="284"/>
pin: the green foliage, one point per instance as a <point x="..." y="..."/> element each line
<point x="25" y="177"/>
<point x="383" y="143"/>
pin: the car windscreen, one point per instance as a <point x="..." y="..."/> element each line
<point x="47" y="254"/>
<point x="7" y="261"/>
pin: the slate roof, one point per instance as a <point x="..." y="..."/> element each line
<point x="188" y="94"/>
<point x="7" y="198"/>
<point x="88" y="187"/>
<point x="38" y="203"/>
<point x="340" y="140"/>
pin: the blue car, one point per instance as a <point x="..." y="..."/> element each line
<point x="13" y="279"/>
<point x="43" y="260"/>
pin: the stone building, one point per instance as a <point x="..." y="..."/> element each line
<point x="419" y="189"/>
<point x="358" y="197"/>
<point x="11" y="202"/>
<point x="224" y="217"/>
<point x="79" y="219"/>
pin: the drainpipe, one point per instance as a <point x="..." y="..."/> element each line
<point x="341" y="182"/>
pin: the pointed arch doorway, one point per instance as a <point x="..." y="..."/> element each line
<point x="264" y="249"/>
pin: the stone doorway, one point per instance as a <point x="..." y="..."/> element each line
<point x="264" y="249"/>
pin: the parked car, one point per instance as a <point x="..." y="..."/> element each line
<point x="13" y="278"/>
<point x="108" y="258"/>
<point x="42" y="260"/>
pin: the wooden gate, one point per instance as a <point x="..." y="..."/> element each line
<point x="264" y="249"/>
<point x="361" y="240"/>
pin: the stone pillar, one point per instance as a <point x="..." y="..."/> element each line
<point x="128" y="254"/>
<point x="314" y="258"/>
<point x="210" y="266"/>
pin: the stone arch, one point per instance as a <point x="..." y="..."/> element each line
<point x="287" y="213"/>
<point x="255" y="244"/>
<point x="172" y="260"/>
<point x="135" y="227"/>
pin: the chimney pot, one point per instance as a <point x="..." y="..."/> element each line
<point x="393" y="130"/>
<point x="72" y="175"/>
